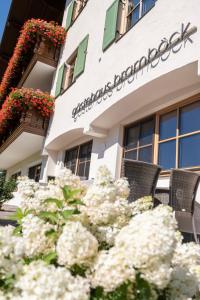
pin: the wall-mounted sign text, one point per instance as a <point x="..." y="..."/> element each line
<point x="174" y="43"/>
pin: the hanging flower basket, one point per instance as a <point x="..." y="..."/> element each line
<point x="22" y="100"/>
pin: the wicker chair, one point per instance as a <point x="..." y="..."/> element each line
<point x="181" y="196"/>
<point x="183" y="188"/>
<point x="142" y="178"/>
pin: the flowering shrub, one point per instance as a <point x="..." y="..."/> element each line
<point x="49" y="30"/>
<point x="22" y="100"/>
<point x="75" y="242"/>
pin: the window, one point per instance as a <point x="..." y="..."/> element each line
<point x="136" y="9"/>
<point x="139" y="141"/>
<point x="74" y="10"/>
<point x="50" y="178"/>
<point x="78" y="159"/>
<point x="121" y="16"/>
<point x="34" y="172"/>
<point x="179" y="137"/>
<point x="16" y="175"/>
<point x="70" y="70"/>
<point x="173" y="142"/>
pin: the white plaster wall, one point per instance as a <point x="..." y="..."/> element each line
<point x="24" y="165"/>
<point x="155" y="88"/>
<point x="107" y="151"/>
<point x="100" y="66"/>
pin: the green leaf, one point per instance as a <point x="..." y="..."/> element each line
<point x="68" y="213"/>
<point x="18" y="230"/>
<point x="50" y="257"/>
<point x="49" y="216"/>
<point x="78" y="270"/>
<point x="143" y="288"/>
<point x="19" y="214"/>
<point x="6" y="281"/>
<point x="51" y="234"/>
<point x="76" y="202"/>
<point x="58" y="202"/>
<point x="120" y="293"/>
<point x="68" y="193"/>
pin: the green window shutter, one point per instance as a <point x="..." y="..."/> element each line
<point x="80" y="59"/>
<point x="110" y="24"/>
<point x="69" y="15"/>
<point x="59" y="80"/>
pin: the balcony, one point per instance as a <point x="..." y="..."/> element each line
<point x="38" y="70"/>
<point x="35" y="57"/>
<point x="23" y="138"/>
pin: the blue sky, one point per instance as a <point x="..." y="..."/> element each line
<point x="4" y="9"/>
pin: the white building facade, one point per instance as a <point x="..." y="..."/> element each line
<point x="127" y="85"/>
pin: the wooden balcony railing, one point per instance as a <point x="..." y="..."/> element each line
<point x="30" y="122"/>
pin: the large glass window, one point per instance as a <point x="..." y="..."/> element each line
<point x="174" y="142"/>
<point x="167" y="154"/>
<point x="139" y="141"/>
<point x="78" y="159"/>
<point x="179" y="137"/>
<point x="189" y="118"/>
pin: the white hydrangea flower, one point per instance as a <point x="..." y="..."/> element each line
<point x="2" y="296"/>
<point x="106" y="234"/>
<point x="103" y="176"/>
<point x="122" y="186"/>
<point x="26" y="187"/>
<point x="183" y="284"/>
<point x="34" y="235"/>
<point x="97" y="194"/>
<point x="65" y="177"/>
<point x="187" y="255"/>
<point x="34" y="195"/>
<point x="76" y="245"/>
<point x="141" y="205"/>
<point x="105" y="201"/>
<point x="110" y="270"/>
<point x="158" y="274"/>
<point x="11" y="251"/>
<point x="41" y="281"/>
<point x="148" y="240"/>
<point x="38" y="201"/>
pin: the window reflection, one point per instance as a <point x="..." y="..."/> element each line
<point x="145" y="154"/>
<point x="168" y="125"/>
<point x="167" y="155"/>
<point x="189" y="118"/>
<point x="137" y="137"/>
<point x="189" y="154"/>
<point x="78" y="159"/>
<point x="146" y="132"/>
